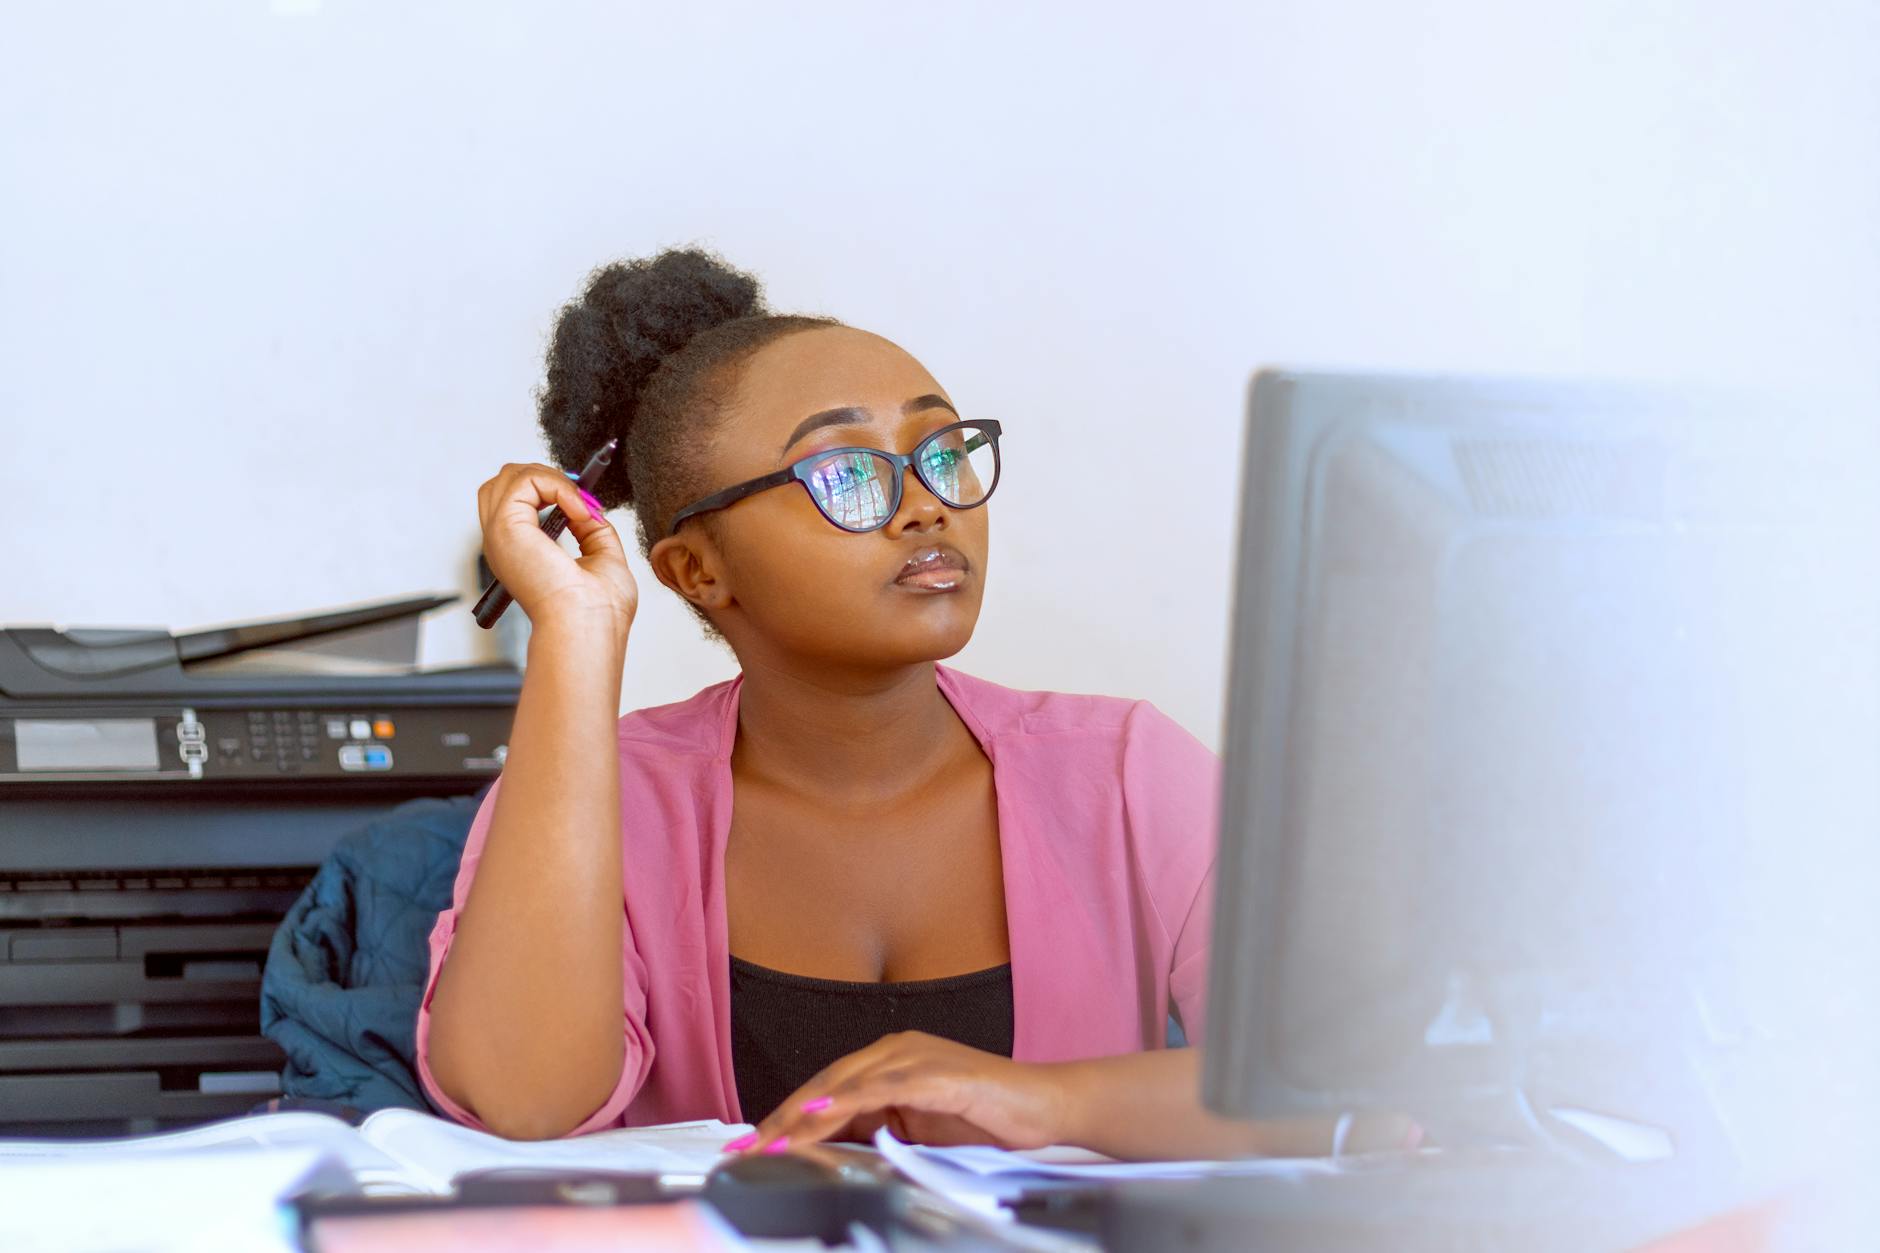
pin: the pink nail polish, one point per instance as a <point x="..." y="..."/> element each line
<point x="778" y="1145"/>
<point x="744" y="1141"/>
<point x="594" y="506"/>
<point x="817" y="1105"/>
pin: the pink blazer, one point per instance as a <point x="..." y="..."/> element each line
<point x="1106" y="829"/>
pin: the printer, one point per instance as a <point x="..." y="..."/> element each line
<point x="163" y="800"/>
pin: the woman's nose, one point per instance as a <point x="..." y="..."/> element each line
<point x="920" y="509"/>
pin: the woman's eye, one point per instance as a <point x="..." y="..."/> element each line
<point x="846" y="472"/>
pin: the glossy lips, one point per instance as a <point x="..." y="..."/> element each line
<point x="936" y="568"/>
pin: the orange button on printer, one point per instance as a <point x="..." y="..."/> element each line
<point x="383" y="729"/>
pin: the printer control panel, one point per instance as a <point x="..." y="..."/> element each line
<point x="190" y="743"/>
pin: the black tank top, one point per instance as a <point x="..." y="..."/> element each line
<point x="785" y="1027"/>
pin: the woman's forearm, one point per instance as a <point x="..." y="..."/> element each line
<point x="526" y="1021"/>
<point x="1145" y="1106"/>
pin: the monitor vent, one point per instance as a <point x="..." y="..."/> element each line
<point x="1555" y="478"/>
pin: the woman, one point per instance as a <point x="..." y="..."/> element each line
<point x="850" y="887"/>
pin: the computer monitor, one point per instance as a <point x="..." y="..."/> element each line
<point x="1549" y="802"/>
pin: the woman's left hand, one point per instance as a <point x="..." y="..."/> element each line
<point x="924" y="1090"/>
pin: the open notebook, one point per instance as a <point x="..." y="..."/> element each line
<point x="403" y="1152"/>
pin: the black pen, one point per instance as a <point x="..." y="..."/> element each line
<point x="496" y="597"/>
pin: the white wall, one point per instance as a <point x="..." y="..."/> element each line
<point x="275" y="279"/>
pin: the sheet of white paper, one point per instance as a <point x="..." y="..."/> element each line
<point x="445" y="1150"/>
<point x="403" y="1152"/>
<point x="978" y="1193"/>
<point x="979" y="1177"/>
<point x="1632" y="1141"/>
<point x="212" y="1200"/>
<point x="1064" y="1163"/>
<point x="372" y="1169"/>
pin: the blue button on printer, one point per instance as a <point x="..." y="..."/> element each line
<point x="365" y="757"/>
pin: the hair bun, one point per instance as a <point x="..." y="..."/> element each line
<point x="607" y="344"/>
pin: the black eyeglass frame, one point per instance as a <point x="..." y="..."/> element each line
<point x="799" y="472"/>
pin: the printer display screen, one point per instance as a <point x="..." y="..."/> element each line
<point x="87" y="744"/>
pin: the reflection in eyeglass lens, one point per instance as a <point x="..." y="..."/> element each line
<point x="851" y="489"/>
<point x="952" y="465"/>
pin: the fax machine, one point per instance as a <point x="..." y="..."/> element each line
<point x="163" y="799"/>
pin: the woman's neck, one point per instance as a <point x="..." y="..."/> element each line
<point x="861" y="736"/>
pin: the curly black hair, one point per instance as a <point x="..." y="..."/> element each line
<point x="649" y="353"/>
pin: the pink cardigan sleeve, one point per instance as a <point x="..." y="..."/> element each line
<point x="639" y="1051"/>
<point x="1171" y="793"/>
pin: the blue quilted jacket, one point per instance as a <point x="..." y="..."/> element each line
<point x="348" y="963"/>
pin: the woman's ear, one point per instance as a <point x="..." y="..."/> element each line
<point x="689" y="565"/>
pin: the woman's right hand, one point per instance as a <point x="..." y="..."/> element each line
<point x="544" y="580"/>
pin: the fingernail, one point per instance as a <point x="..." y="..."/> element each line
<point x="744" y="1141"/>
<point x="778" y="1145"/>
<point x="594" y="506"/>
<point x="817" y="1105"/>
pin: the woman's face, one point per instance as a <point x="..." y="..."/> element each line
<point x="786" y="581"/>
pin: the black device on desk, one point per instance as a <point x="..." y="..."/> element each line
<point x="794" y="1196"/>
<point x="163" y="800"/>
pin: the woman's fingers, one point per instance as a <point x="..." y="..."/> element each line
<point x="532" y="488"/>
<point x="591" y="529"/>
<point x="530" y="564"/>
<point x="813" y="1097"/>
<point x="879" y="1089"/>
<point x="936" y="1090"/>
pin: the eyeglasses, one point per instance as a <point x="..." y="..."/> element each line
<point x="859" y="489"/>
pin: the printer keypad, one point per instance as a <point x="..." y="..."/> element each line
<point x="287" y="739"/>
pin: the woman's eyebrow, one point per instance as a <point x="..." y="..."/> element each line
<point x="929" y="401"/>
<point x="849" y="415"/>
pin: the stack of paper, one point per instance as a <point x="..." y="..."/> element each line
<point x="220" y="1187"/>
<point x="189" y="1201"/>
<point x="981" y="1177"/>
<point x="400" y="1151"/>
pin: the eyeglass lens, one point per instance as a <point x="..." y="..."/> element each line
<point x="855" y="490"/>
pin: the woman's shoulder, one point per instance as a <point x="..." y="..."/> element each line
<point x="689" y="728"/>
<point x="1071" y="721"/>
<point x="1117" y="779"/>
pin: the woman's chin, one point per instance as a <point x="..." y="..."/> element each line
<point x="945" y="631"/>
<point x="911" y="642"/>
